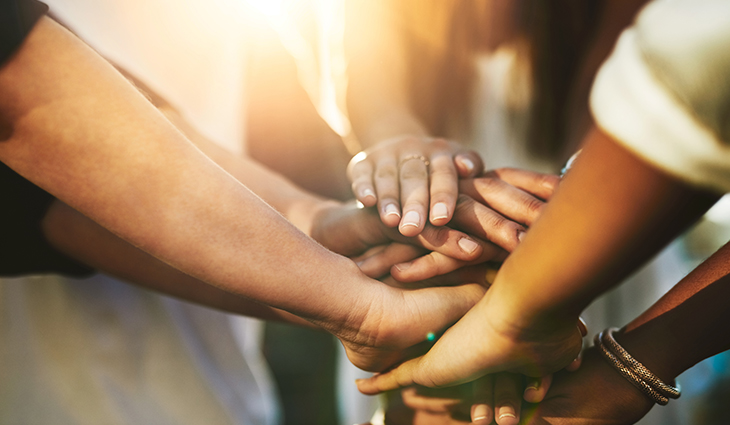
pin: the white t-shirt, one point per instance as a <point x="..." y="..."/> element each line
<point x="664" y="93"/>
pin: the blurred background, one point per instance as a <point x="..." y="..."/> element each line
<point x="300" y="85"/>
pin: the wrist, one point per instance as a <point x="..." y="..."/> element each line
<point x="390" y="124"/>
<point x="656" y="349"/>
<point x="520" y="317"/>
<point x="303" y="214"/>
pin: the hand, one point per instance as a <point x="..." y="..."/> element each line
<point x="399" y="323"/>
<point x="397" y="172"/>
<point x="351" y="231"/>
<point x="483" y="342"/>
<point x="498" y="207"/>
<point x="594" y="394"/>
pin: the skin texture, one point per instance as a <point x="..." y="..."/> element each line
<point x="526" y="321"/>
<point x="687" y="325"/>
<point x="76" y="128"/>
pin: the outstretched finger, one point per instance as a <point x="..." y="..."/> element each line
<point x="483" y="222"/>
<point x="377" y="262"/>
<point x="507" y="200"/>
<point x="360" y="173"/>
<point x="401" y="376"/>
<point x="444" y="184"/>
<point x="436" y="264"/>
<point x="387" y="188"/>
<point x="414" y="194"/>
<point x="539" y="184"/>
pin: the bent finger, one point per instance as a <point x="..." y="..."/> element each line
<point x="482" y="412"/>
<point x="360" y="173"/>
<point x="537" y="388"/>
<point x="468" y="164"/>
<point x="507" y="398"/>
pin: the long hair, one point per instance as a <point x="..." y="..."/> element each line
<point x="443" y="38"/>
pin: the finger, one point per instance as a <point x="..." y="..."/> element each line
<point x="485" y="223"/>
<point x="575" y="364"/>
<point x="538" y="184"/>
<point x="537" y="388"/>
<point x="401" y="376"/>
<point x="470" y="273"/>
<point x="436" y="264"/>
<point x="429" y="402"/>
<point x="444" y="188"/>
<point x="360" y="172"/>
<point x="452" y="243"/>
<point x="388" y="189"/>
<point x="482" y="412"/>
<point x="378" y="264"/>
<point x="507" y="398"/>
<point x="507" y="200"/>
<point x="468" y="164"/>
<point x="413" y="172"/>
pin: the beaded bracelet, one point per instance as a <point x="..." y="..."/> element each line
<point x="635" y="372"/>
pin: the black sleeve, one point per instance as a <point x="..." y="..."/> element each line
<point x="24" y="249"/>
<point x="17" y="18"/>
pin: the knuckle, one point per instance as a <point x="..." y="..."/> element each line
<point x="534" y="207"/>
<point x="487" y="185"/>
<point x="448" y="171"/>
<point x="413" y="173"/>
<point x="441" y="144"/>
<point x="386" y="172"/>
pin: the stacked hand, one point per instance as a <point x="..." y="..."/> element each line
<point x="411" y="178"/>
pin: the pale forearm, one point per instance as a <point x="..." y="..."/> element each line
<point x="294" y="203"/>
<point x="84" y="240"/>
<point x="81" y="132"/>
<point x="607" y="217"/>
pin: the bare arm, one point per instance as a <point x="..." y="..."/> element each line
<point x="609" y="215"/>
<point x="688" y="324"/>
<point x="72" y="125"/>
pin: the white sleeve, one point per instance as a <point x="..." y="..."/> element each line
<point x="664" y="93"/>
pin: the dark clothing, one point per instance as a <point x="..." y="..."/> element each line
<point x="17" y="18"/>
<point x="23" y="248"/>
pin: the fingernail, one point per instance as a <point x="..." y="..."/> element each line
<point x="548" y="184"/>
<point x="391" y="209"/>
<point x="506" y="412"/>
<point x="521" y="235"/>
<point x="467" y="163"/>
<point x="439" y="211"/>
<point x="412" y="218"/>
<point x="403" y="266"/>
<point x="481" y="414"/>
<point x="530" y="394"/>
<point x="468" y="245"/>
<point x="367" y="192"/>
